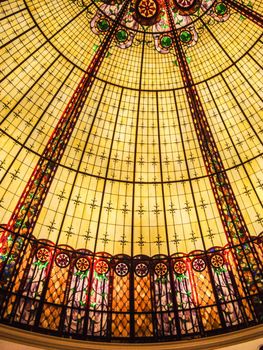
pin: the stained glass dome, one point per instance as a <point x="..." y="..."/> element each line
<point x="131" y="167"/>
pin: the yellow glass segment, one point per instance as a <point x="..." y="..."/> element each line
<point x="132" y="179"/>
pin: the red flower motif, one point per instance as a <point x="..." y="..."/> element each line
<point x="62" y="260"/>
<point x="101" y="266"/>
<point x="147" y="8"/>
<point x="82" y="264"/>
<point x="217" y="261"/>
<point x="160" y="269"/>
<point x="121" y="269"/>
<point x="141" y="269"/>
<point x="43" y="254"/>
<point x="198" y="264"/>
<point x="179" y="267"/>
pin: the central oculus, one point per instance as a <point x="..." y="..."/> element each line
<point x="147" y="12"/>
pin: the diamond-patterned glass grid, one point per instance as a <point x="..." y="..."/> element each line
<point x="50" y="317"/>
<point x="18" y="280"/>
<point x="205" y="295"/>
<point x="120" y="326"/>
<point x="143" y="325"/>
<point x="142" y="294"/>
<point x="57" y="283"/>
<point x="204" y="288"/>
<point x="242" y="292"/>
<point x="210" y="318"/>
<point x="120" y="293"/>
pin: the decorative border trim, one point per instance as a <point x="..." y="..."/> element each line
<point x="38" y="340"/>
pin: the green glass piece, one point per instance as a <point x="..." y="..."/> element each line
<point x="103" y="25"/>
<point x="221" y="9"/>
<point x="122" y="35"/>
<point x="166" y="41"/>
<point x="185" y="36"/>
<point x="95" y="47"/>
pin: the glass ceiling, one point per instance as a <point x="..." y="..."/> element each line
<point x="132" y="179"/>
<point x="131" y="168"/>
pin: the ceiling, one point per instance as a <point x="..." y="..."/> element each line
<point x="132" y="179"/>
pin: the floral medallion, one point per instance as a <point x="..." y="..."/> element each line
<point x="101" y="266"/>
<point x="42" y="254"/>
<point x="122" y="269"/>
<point x="146" y="12"/>
<point x="198" y="264"/>
<point x="187" y="7"/>
<point x="161" y="269"/>
<point x="141" y="269"/>
<point x="82" y="264"/>
<point x="217" y="261"/>
<point x="179" y="267"/>
<point x="62" y="260"/>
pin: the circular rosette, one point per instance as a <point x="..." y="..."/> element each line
<point x="42" y="254"/>
<point x="82" y="264"/>
<point x="121" y="269"/>
<point x="147" y="12"/>
<point x="198" y="264"/>
<point x="101" y="267"/>
<point x="141" y="269"/>
<point x="217" y="261"/>
<point x="186" y="7"/>
<point x="179" y="267"/>
<point x="62" y="260"/>
<point x="160" y="269"/>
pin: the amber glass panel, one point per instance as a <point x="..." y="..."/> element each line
<point x="143" y="325"/>
<point x="142" y="304"/>
<point x="120" y="303"/>
<point x="120" y="325"/>
<point x="19" y="279"/>
<point x="50" y="317"/>
<point x="33" y="284"/>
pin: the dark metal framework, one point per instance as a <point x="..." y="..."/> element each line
<point x="75" y="293"/>
<point x="246" y="11"/>
<point x="28" y="208"/>
<point x="248" y="261"/>
<point x="55" y="289"/>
